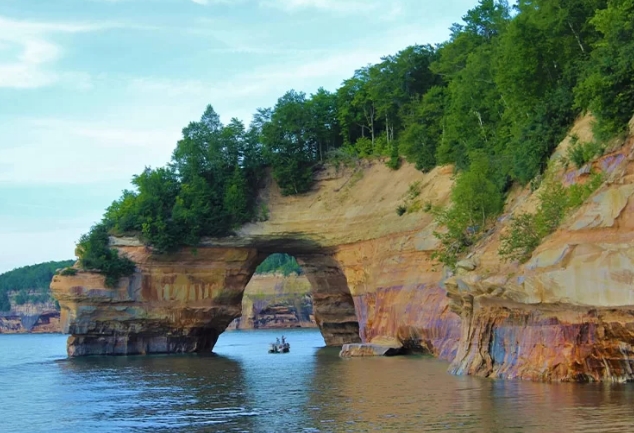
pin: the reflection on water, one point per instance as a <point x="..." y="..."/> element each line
<point x="242" y="388"/>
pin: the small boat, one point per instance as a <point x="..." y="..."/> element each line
<point x="279" y="347"/>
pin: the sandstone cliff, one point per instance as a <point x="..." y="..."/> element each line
<point x="276" y="301"/>
<point x="369" y="269"/>
<point x="566" y="314"/>
<point x="30" y="318"/>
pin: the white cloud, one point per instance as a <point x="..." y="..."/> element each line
<point x="75" y="152"/>
<point x="31" y="68"/>
<point x="343" y="6"/>
<point x="217" y="2"/>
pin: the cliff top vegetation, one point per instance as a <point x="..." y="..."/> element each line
<point x="280" y="262"/>
<point x="493" y="100"/>
<point x="31" y="283"/>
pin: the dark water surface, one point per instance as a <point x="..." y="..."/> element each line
<point x="244" y="389"/>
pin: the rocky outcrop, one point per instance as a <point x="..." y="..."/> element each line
<point x="368" y="269"/>
<point x="379" y="346"/>
<point x="362" y="350"/>
<point x="272" y="301"/>
<point x="566" y="314"/>
<point x="37" y="318"/>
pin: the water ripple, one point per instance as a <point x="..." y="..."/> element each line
<point x="244" y="389"/>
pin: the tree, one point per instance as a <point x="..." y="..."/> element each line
<point x="323" y="126"/>
<point x="290" y="145"/>
<point x="424" y="129"/>
<point x="607" y="89"/>
<point x="94" y="253"/>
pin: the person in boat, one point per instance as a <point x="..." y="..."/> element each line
<point x="283" y="340"/>
<point x="278" y="340"/>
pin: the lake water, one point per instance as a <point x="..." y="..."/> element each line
<point x="242" y="388"/>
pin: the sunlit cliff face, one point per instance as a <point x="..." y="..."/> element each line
<point x="566" y="314"/>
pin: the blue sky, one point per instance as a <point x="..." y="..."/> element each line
<point x="92" y="91"/>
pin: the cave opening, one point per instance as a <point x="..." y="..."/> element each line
<point x="182" y="302"/>
<point x="278" y="296"/>
<point x="298" y="287"/>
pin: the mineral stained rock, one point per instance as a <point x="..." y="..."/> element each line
<point x="355" y="251"/>
<point x="273" y="301"/>
<point x="36" y="318"/>
<point x="566" y="314"/>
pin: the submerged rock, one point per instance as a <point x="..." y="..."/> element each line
<point x="355" y="350"/>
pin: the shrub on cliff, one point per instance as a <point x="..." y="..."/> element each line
<point x="527" y="230"/>
<point x="94" y="253"/>
<point x="475" y="200"/>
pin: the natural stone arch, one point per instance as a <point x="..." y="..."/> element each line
<point x="333" y="305"/>
<point x="366" y="263"/>
<point x="183" y="301"/>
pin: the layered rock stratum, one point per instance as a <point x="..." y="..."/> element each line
<point x="273" y="301"/>
<point x="566" y="314"/>
<point x="37" y="318"/>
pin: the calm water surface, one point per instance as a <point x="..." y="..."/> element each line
<point x="242" y="388"/>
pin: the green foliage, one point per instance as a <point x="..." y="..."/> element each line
<point x="455" y="237"/>
<point x="579" y="192"/>
<point x="29" y="279"/>
<point x="521" y="240"/>
<point x="94" y="253"/>
<point x="299" y="133"/>
<point x="263" y="212"/>
<point x="607" y="87"/>
<point x="68" y="272"/>
<point x="364" y="147"/>
<point x="424" y="129"/>
<point x="345" y="156"/>
<point x="582" y="153"/>
<point x="528" y="230"/>
<point x="395" y="160"/>
<point x="5" y="304"/>
<point x="411" y="204"/>
<point x="22" y="297"/>
<point x="475" y="200"/>
<point x="414" y="189"/>
<point x="279" y="262"/>
<point x="502" y="92"/>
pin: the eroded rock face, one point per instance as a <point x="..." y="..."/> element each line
<point x="568" y="313"/>
<point x="272" y="301"/>
<point x="356" y="252"/>
<point x="36" y="318"/>
<point x="547" y="343"/>
<point x="43" y="322"/>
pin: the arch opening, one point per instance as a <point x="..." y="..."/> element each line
<point x="183" y="301"/>
<point x="322" y="279"/>
<point x="278" y="296"/>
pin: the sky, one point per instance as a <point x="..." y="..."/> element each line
<point x="92" y="91"/>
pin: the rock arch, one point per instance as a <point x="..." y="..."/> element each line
<point x="369" y="269"/>
<point x="184" y="301"/>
